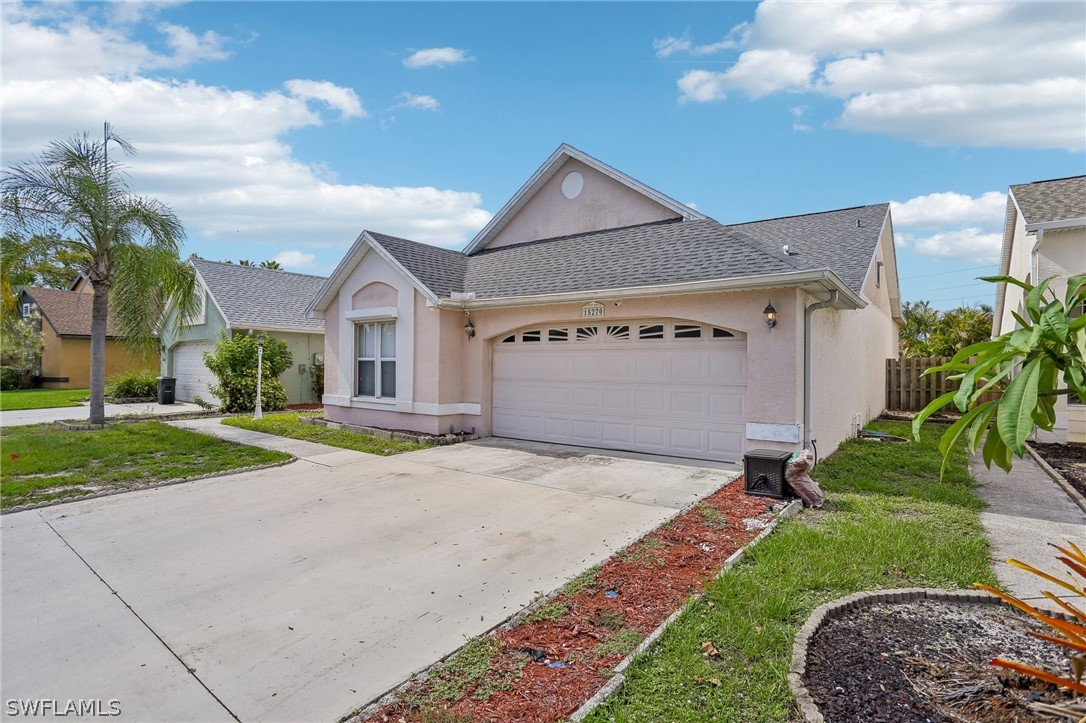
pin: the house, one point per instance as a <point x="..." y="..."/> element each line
<point x="595" y="311"/>
<point x="66" y="337"/>
<point x="245" y="300"/>
<point x="1044" y="235"/>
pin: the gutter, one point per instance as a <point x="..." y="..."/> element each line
<point x="826" y="278"/>
<point x="807" y="354"/>
<point x="1052" y="225"/>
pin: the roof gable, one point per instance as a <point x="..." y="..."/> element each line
<point x="258" y="298"/>
<point x="68" y="312"/>
<point x="622" y="201"/>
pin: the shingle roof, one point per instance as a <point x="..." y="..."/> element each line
<point x="250" y="296"/>
<point x="1057" y="200"/>
<point x="68" y="312"/>
<point x="832" y="239"/>
<point x="655" y="253"/>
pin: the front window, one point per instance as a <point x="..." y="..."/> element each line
<point x="376" y="359"/>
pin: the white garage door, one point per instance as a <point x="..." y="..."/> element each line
<point x="670" y="388"/>
<point x="193" y="378"/>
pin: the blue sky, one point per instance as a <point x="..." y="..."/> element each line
<point x="283" y="129"/>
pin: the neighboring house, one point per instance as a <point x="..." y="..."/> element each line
<point x="66" y="334"/>
<point x="245" y="300"/>
<point x="1044" y="236"/>
<point x="595" y="311"/>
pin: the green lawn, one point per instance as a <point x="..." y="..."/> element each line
<point x="41" y="398"/>
<point x="44" y="462"/>
<point x="892" y="524"/>
<point x="286" y="424"/>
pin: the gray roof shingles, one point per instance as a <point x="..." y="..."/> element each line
<point x="259" y="298"/>
<point x="1060" y="199"/>
<point x="656" y="253"/>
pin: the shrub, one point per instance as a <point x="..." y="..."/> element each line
<point x="10" y="378"/>
<point x="234" y="364"/>
<point x="318" y="380"/>
<point x="133" y="384"/>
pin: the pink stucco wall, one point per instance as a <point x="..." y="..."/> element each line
<point x="849" y="361"/>
<point x="331" y="350"/>
<point x="602" y="203"/>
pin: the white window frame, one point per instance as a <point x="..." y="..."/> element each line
<point x="377" y="359"/>
<point x="26" y="309"/>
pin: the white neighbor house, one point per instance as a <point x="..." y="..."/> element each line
<point x="1044" y="236"/>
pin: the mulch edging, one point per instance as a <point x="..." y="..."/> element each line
<point x="841" y="607"/>
<point x="141" y="488"/>
<point x="1058" y="478"/>
<point x="396" y="435"/>
<point x="632" y="587"/>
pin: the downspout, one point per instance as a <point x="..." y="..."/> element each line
<point x="807" y="354"/>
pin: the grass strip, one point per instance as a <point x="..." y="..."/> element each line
<point x="17" y="399"/>
<point x="44" y="462"/>
<point x="891" y="523"/>
<point x="289" y="424"/>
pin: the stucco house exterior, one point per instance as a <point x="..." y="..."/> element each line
<point x="596" y="311"/>
<point x="245" y="300"/>
<point x="1044" y="235"/>
<point x="66" y="338"/>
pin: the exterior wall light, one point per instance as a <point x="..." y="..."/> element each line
<point x="469" y="329"/>
<point x="770" y="315"/>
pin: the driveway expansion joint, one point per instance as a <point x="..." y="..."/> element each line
<point x="189" y="670"/>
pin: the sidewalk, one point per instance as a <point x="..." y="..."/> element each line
<point x="22" y="417"/>
<point x="1026" y="511"/>
<point x="310" y="451"/>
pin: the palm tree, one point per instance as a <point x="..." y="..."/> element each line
<point x="272" y="264"/>
<point x="74" y="198"/>
<point x="920" y="323"/>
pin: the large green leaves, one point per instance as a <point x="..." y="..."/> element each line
<point x="1043" y="359"/>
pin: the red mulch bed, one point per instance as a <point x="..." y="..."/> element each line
<point x="636" y="589"/>
<point x="304" y="407"/>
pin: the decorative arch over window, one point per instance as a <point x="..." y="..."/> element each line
<point x="373" y="294"/>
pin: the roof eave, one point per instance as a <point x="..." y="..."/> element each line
<point x="817" y="279"/>
<point x="280" y="329"/>
<point x="546" y="171"/>
<point x="1053" y="225"/>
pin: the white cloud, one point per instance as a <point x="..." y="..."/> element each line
<point x="938" y="210"/>
<point x="968" y="244"/>
<point x="417" y="102"/>
<point x="951" y="225"/>
<point x="188" y="47"/>
<point x="970" y="73"/>
<point x="668" y="46"/>
<point x="436" y="58"/>
<point x="345" y="100"/>
<point x="215" y="154"/>
<point x="295" y="260"/>
<point x="798" y="114"/>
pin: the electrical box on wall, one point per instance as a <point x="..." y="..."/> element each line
<point x="318" y="359"/>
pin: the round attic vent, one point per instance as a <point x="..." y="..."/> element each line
<point x="572" y="185"/>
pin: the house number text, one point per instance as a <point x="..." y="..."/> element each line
<point x="591" y="310"/>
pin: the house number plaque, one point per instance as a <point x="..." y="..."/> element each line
<point x="592" y="310"/>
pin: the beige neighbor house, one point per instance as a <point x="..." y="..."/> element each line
<point x="595" y="311"/>
<point x="1044" y="236"/>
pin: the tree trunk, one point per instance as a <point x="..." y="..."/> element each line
<point x="99" y="315"/>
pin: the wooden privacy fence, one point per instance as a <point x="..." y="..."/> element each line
<point x="908" y="391"/>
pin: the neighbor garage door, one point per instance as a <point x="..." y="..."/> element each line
<point x="193" y="378"/>
<point x="671" y="388"/>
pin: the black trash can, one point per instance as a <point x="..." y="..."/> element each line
<point x="763" y="473"/>
<point x="166" y="389"/>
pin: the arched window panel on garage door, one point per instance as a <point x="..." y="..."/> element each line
<point x="651" y="331"/>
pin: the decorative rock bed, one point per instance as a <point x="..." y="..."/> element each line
<point x="918" y="654"/>
<point x="398" y="435"/>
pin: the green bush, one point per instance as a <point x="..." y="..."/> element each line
<point x="234" y="363"/>
<point x="10" y="378"/>
<point x="133" y="384"/>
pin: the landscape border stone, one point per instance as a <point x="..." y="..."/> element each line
<point x="141" y="488"/>
<point x="1058" y="478"/>
<point x="838" y="608"/>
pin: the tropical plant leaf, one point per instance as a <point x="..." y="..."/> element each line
<point x="1014" y="419"/>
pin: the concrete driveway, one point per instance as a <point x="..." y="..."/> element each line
<point x="299" y="593"/>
